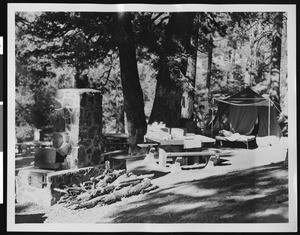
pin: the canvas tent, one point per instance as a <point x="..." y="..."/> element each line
<point x="246" y="109"/>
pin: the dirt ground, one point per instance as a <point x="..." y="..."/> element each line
<point x="251" y="186"/>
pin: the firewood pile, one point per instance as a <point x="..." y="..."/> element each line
<point x="109" y="187"/>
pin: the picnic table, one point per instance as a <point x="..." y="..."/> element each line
<point x="180" y="149"/>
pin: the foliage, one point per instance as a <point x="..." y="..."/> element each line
<point x="34" y="85"/>
<point x="61" y="50"/>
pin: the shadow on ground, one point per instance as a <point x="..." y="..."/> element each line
<point x="144" y="169"/>
<point x="256" y="195"/>
<point x="24" y="161"/>
<point x="29" y="213"/>
<point x="30" y="218"/>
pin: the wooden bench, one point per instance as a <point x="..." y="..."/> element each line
<point x="243" y="141"/>
<point x="147" y="145"/>
<point x="207" y="155"/>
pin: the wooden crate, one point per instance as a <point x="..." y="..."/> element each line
<point x="38" y="178"/>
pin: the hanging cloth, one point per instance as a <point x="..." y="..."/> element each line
<point x="186" y="105"/>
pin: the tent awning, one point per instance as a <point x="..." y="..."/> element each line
<point x="245" y="101"/>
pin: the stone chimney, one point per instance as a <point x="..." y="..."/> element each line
<point x="77" y="121"/>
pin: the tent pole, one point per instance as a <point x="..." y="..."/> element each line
<point x="269" y="117"/>
<point x="212" y="118"/>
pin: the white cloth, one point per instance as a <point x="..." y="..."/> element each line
<point x="186" y="105"/>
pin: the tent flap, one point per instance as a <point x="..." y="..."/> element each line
<point x="242" y="119"/>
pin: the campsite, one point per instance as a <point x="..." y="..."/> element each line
<point x="152" y="117"/>
<point x="252" y="190"/>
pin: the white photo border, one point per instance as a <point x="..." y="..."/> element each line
<point x="291" y="226"/>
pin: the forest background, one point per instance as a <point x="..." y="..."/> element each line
<point x="142" y="62"/>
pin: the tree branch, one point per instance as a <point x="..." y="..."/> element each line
<point x="161" y="21"/>
<point x="108" y="74"/>
<point x="156" y="17"/>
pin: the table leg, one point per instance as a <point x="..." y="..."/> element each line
<point x="184" y="161"/>
<point x="19" y="149"/>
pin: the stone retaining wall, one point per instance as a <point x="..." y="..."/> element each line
<point x="46" y="196"/>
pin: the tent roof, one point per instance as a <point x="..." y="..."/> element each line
<point x="246" y="97"/>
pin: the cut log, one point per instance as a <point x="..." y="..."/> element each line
<point x="107" y="179"/>
<point x="119" y="179"/>
<point x="122" y="192"/>
<point x="112" y="187"/>
<point x="102" y="191"/>
<point x="134" y="178"/>
<point x="109" y="198"/>
<point x="86" y="183"/>
<point x="63" y="199"/>
<point x="90" y="203"/>
<point x="60" y="190"/>
<point x="132" y="183"/>
<point x="84" y="196"/>
<point x="75" y="189"/>
<point x="138" y="188"/>
<point x="150" y="188"/>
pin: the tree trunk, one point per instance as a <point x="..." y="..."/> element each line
<point x="132" y="91"/>
<point x="210" y="53"/>
<point x="166" y="106"/>
<point x="283" y="68"/>
<point x="120" y="126"/>
<point x="173" y="65"/>
<point x="192" y="65"/>
<point x="275" y="62"/>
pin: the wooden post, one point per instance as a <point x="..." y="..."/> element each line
<point x="107" y="164"/>
<point x="162" y="159"/>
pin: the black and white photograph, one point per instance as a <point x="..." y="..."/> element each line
<point x="151" y="118"/>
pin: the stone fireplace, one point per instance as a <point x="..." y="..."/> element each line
<point x="77" y="122"/>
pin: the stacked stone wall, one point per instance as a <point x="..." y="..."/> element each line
<point x="90" y="127"/>
<point x="69" y="177"/>
<point x="47" y="196"/>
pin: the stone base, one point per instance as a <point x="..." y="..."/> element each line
<point x="37" y="185"/>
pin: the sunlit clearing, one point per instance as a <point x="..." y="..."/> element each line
<point x="247" y="197"/>
<point x="180" y="207"/>
<point x="226" y="216"/>
<point x="268" y="212"/>
<point x="269" y="190"/>
<point x="262" y="183"/>
<point x="279" y="174"/>
<point x="200" y="192"/>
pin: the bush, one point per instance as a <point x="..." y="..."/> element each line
<point x="24" y="132"/>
